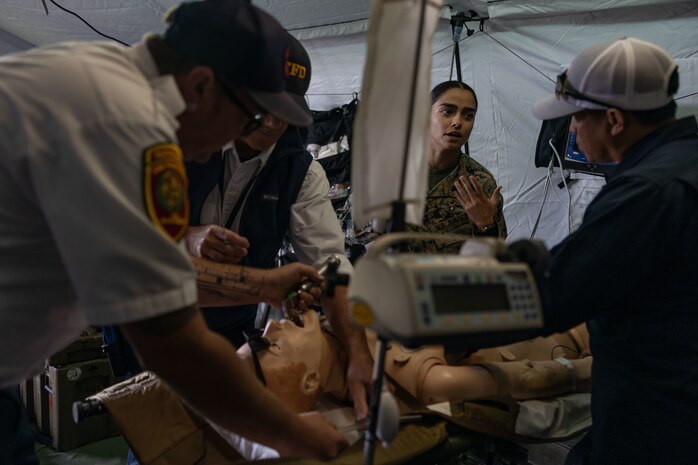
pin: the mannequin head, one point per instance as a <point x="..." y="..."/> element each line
<point x="301" y="363"/>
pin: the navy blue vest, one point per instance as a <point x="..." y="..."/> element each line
<point x="264" y="221"/>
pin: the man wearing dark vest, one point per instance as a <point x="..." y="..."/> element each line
<point x="254" y="193"/>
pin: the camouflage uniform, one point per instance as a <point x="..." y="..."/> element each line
<point x="442" y="212"/>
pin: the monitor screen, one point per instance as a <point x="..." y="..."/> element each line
<point x="573" y="151"/>
<point x="576" y="160"/>
<point x="555" y="136"/>
<point x="469" y="298"/>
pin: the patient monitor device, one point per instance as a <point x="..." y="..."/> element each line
<point x="486" y="294"/>
<point x="421" y="298"/>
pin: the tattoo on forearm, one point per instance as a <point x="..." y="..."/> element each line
<point x="165" y="324"/>
<point x="226" y="279"/>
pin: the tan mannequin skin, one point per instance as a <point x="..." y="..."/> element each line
<point x="301" y="364"/>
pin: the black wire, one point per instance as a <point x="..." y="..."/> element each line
<point x="329" y="24"/>
<point x="445" y="48"/>
<point x="519" y="57"/>
<point x="552" y="357"/>
<point x="88" y="24"/>
<point x="684" y="96"/>
<point x="339" y="93"/>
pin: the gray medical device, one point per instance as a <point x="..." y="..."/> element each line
<point x="420" y="298"/>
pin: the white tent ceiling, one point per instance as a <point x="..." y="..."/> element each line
<point x="513" y="61"/>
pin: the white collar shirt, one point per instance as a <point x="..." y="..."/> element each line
<point x="314" y="230"/>
<point x="237" y="175"/>
<point x="77" y="246"/>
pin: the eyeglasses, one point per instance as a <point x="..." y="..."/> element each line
<point x="257" y="343"/>
<point x="563" y="87"/>
<point x="256" y="120"/>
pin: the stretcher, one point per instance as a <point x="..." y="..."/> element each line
<point x="161" y="430"/>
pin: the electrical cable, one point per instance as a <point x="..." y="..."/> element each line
<point x="552" y="351"/>
<point x="84" y="21"/>
<point x="550" y="174"/>
<point x="567" y="188"/>
<point x="548" y="183"/>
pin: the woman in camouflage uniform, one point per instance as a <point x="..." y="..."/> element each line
<point x="463" y="196"/>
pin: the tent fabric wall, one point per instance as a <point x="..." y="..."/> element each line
<point x="513" y="62"/>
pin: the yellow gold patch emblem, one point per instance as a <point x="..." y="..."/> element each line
<point x="362" y="314"/>
<point x="165" y="188"/>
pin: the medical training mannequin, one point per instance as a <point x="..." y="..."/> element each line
<point x="302" y="363"/>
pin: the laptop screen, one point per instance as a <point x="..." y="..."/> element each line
<point x="576" y="160"/>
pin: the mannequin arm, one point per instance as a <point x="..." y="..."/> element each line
<point x="443" y="382"/>
<point x="520" y="380"/>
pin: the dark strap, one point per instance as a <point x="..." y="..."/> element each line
<point x="492" y="231"/>
<point x="257" y="343"/>
<point x="241" y="199"/>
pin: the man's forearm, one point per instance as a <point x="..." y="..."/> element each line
<point x="203" y="368"/>
<point x="353" y="341"/>
<point x="351" y="338"/>
<point x="224" y="284"/>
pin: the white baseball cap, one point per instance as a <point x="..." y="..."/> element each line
<point x="627" y="73"/>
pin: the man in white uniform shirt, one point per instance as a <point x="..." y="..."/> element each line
<point x="93" y="203"/>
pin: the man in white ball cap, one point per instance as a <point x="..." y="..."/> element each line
<point x="631" y="268"/>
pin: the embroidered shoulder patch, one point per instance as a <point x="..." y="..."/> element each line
<point x="165" y="189"/>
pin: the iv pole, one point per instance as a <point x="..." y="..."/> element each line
<point x="396" y="224"/>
